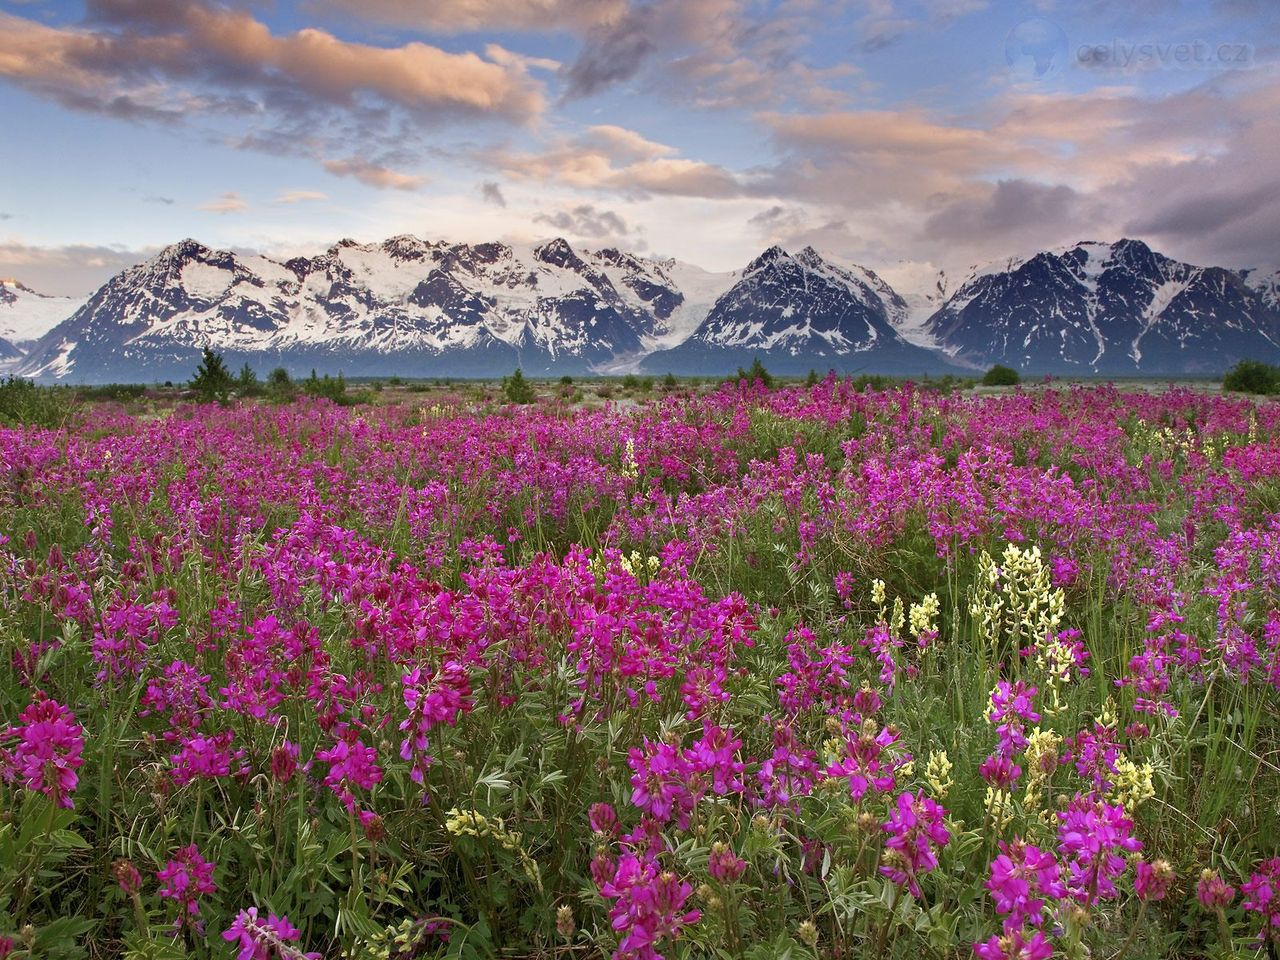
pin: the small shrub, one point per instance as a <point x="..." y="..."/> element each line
<point x="1001" y="376"/>
<point x="516" y="389"/>
<point x="1252" y="376"/>
<point x="22" y="403"/>
<point x="756" y="374"/>
<point x="328" y="388"/>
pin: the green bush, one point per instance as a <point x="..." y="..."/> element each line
<point x="22" y="403"/>
<point x="1252" y="376"/>
<point x="516" y="389"/>
<point x="328" y="388"/>
<point x="1001" y="376"/>
<point x="756" y="372"/>
<point x="117" y="392"/>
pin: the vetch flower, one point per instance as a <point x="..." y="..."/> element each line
<point x="48" y="750"/>
<point x="262" y="938"/>
<point x="915" y="827"/>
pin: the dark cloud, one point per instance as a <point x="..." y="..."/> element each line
<point x="612" y="54"/>
<point x="1011" y="208"/>
<point x="491" y="191"/>
<point x="585" y="220"/>
<point x="165" y="201"/>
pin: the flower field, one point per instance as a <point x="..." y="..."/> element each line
<point x="805" y="672"/>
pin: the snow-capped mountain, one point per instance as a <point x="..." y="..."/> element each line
<point x="417" y="308"/>
<point x="800" y="312"/>
<point x="404" y="306"/>
<point x="1112" y="309"/>
<point x="26" y="316"/>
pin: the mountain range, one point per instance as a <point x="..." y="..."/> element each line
<point x="411" y="307"/>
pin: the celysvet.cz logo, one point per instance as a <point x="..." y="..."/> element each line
<point x="1038" y="48"/>
<point x="1186" y="54"/>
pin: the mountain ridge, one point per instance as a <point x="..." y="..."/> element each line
<point x="414" y="307"/>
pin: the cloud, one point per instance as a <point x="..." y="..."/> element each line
<point x="710" y="53"/>
<point x="585" y="220"/>
<point x="373" y="174"/>
<point x="616" y="159"/>
<point x="305" y="92"/>
<point x="463" y="16"/>
<point x="6" y="216"/>
<point x="613" y="53"/>
<point x="163" y="201"/>
<point x="1009" y="209"/>
<point x="73" y="270"/>
<point x="300" y="196"/>
<point x="491" y="191"/>
<point x="229" y="202"/>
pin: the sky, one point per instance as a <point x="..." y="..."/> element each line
<point x="904" y="135"/>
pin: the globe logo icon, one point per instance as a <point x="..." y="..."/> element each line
<point x="1035" y="49"/>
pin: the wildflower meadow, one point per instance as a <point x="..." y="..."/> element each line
<point x="803" y="672"/>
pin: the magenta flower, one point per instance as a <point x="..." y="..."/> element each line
<point x="284" y="762"/>
<point x="1022" y="877"/>
<point x="1260" y="893"/>
<point x="999" y="771"/>
<point x="186" y="878"/>
<point x="1213" y="892"/>
<point x="1015" y="946"/>
<point x="352" y="764"/>
<point x="259" y="939"/>
<point x="48" y="750"/>
<point x="203" y="757"/>
<point x="1094" y="836"/>
<point x="432" y="698"/>
<point x="660" y="781"/>
<point x="649" y="907"/>
<point x="1152" y="880"/>
<point x="725" y="865"/>
<point x="915" y="827"/>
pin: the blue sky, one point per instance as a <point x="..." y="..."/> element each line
<point x="902" y="134"/>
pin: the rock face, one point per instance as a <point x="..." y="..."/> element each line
<point x="1113" y="309"/>
<point x="797" y="313"/>
<point x="404" y="306"/>
<point x="411" y="307"/>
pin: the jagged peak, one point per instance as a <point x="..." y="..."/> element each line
<point x="405" y="246"/>
<point x="774" y="253"/>
<point x="558" y="252"/>
<point x="811" y="257"/>
<point x="185" y="249"/>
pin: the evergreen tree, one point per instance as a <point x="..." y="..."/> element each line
<point x="213" y="380"/>
<point x="516" y="389"/>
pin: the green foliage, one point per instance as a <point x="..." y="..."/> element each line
<point x="247" y="383"/>
<point x="113" y="392"/>
<point x="1252" y="376"/>
<point x="516" y="389"/>
<point x="213" y="381"/>
<point x="23" y="403"/>
<point x="328" y="388"/>
<point x="633" y="382"/>
<point x="756" y="373"/>
<point x="1001" y="376"/>
<point x="670" y="383"/>
<point x="280" y="385"/>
